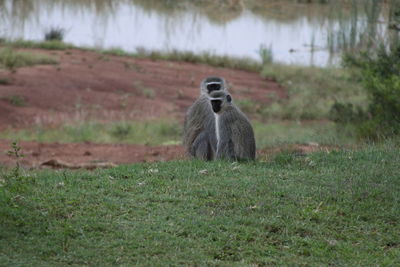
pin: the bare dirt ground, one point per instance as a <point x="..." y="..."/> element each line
<point x="87" y="85"/>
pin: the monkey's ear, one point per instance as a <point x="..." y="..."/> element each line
<point x="229" y="98"/>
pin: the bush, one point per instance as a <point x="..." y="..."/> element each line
<point x="54" y="34"/>
<point x="380" y="75"/>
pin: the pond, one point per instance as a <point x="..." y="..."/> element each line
<point x="294" y="32"/>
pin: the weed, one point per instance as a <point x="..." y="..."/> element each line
<point x="149" y="93"/>
<point x="121" y="130"/>
<point x="265" y="54"/>
<point x="12" y="60"/>
<point x="5" y="81"/>
<point x="54" y="34"/>
<point x="15" y="152"/>
<point x="16" y="100"/>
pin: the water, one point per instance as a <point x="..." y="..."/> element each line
<point x="299" y="36"/>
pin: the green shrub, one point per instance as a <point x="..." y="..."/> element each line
<point x="265" y="54"/>
<point x="346" y="113"/>
<point x="380" y="74"/>
<point x="54" y="34"/>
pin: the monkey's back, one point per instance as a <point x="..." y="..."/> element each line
<point x="241" y="133"/>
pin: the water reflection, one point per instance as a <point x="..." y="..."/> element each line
<point x="296" y="33"/>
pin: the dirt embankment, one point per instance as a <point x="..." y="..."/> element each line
<point x="87" y="85"/>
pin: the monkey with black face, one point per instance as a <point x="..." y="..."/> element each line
<point x="199" y="126"/>
<point x="234" y="133"/>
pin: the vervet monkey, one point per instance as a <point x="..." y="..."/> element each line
<point x="233" y="131"/>
<point x="199" y="126"/>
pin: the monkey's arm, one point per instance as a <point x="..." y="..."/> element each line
<point x="243" y="140"/>
<point x="225" y="150"/>
<point x="202" y="148"/>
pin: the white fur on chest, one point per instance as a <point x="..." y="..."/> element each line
<point x="217" y="130"/>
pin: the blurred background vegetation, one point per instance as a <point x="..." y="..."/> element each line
<point x="358" y="97"/>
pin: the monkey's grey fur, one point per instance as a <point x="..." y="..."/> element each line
<point x="199" y="126"/>
<point x="235" y="136"/>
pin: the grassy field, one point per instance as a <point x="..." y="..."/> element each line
<point x="312" y="91"/>
<point x="340" y="208"/>
<point x="10" y="59"/>
<point x="185" y="56"/>
<point x="167" y="132"/>
<point x="152" y="132"/>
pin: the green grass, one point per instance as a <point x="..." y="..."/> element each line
<point x="15" y="100"/>
<point x="10" y="59"/>
<point x="311" y="91"/>
<point x="50" y="45"/>
<point x="326" y="209"/>
<point x="205" y="58"/>
<point x="186" y="56"/>
<point x="155" y="132"/>
<point x="163" y="132"/>
<point x="276" y="133"/>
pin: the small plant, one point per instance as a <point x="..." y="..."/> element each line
<point x="16" y="100"/>
<point x="54" y="34"/>
<point x="15" y="151"/>
<point x="149" y="93"/>
<point x="8" y="59"/>
<point x="265" y="54"/>
<point x="4" y="81"/>
<point x="12" y="60"/>
<point x="121" y="130"/>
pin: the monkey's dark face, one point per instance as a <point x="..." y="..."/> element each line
<point x="216" y="105"/>
<point x="213" y="86"/>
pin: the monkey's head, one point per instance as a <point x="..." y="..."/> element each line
<point x="220" y="100"/>
<point x="211" y="84"/>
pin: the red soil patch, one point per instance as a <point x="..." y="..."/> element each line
<point x="75" y="154"/>
<point x="87" y="85"/>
